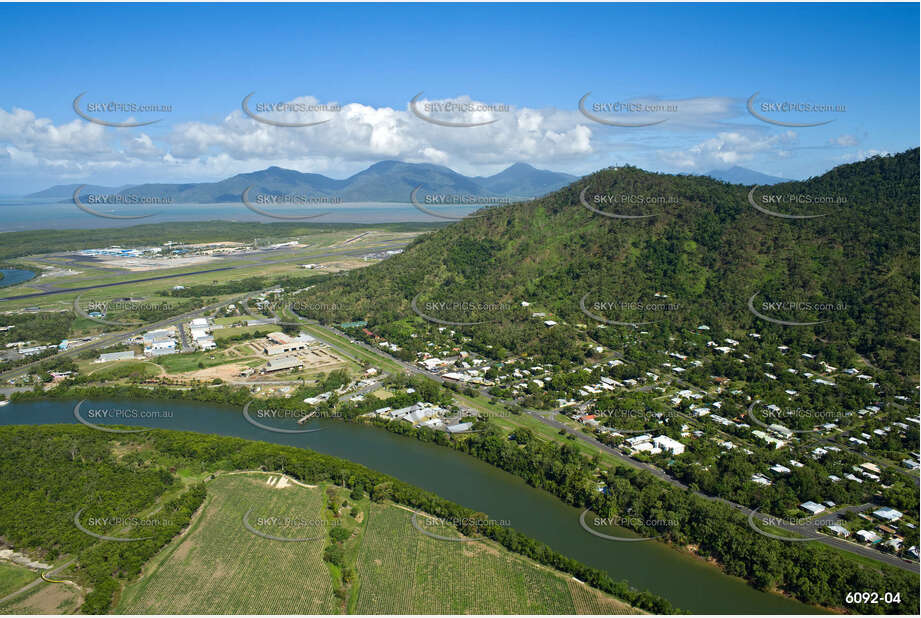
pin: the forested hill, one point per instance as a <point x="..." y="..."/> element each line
<point x="706" y="248"/>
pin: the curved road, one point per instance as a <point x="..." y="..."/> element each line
<point x="36" y="582"/>
<point x="546" y="418"/>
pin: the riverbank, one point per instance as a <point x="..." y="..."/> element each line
<point x="764" y="563"/>
<point x="685" y="580"/>
<point x="312" y="467"/>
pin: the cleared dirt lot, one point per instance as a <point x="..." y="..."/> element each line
<point x="318" y="358"/>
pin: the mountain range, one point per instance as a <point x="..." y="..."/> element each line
<point x="386" y="181"/>
<point x="744" y="176"/>
<point x="708" y="246"/>
<point x="67" y="191"/>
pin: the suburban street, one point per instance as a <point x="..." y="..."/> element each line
<point x="545" y="417"/>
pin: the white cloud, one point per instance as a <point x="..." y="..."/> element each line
<point x="705" y="129"/>
<point x="728" y="149"/>
<point x="843" y="140"/>
<point x="355" y="135"/>
<point x="860" y="155"/>
<point x="142" y="147"/>
<point x="361" y="133"/>
<point x="22" y="130"/>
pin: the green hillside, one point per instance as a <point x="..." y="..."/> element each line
<point x="705" y="247"/>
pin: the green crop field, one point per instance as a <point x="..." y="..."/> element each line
<point x="191" y="361"/>
<point x="218" y="566"/>
<point x="403" y="571"/>
<point x="14" y="577"/>
<point x="221" y="334"/>
<point x="117" y="370"/>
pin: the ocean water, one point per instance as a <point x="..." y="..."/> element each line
<point x="21" y="214"/>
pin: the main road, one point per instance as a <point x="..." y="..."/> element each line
<point x="542" y="416"/>
<point x="546" y="417"/>
<point x="110" y="339"/>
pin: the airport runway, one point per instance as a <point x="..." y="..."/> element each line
<point x="361" y="251"/>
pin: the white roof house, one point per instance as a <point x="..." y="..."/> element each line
<point x="668" y="444"/>
<point x="839" y="530"/>
<point x="888" y="513"/>
<point x="433" y="423"/>
<point x="895" y="544"/>
<point x="418" y="415"/>
<point x="781" y="430"/>
<point x="769" y="438"/>
<point x="647" y="447"/>
<point x="812" y="507"/>
<point x="868" y="536"/>
<point x="637" y="439"/>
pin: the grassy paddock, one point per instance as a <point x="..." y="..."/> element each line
<point x="220" y="567"/>
<point x="405" y="572"/>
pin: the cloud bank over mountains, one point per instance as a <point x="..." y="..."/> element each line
<point x="695" y="135"/>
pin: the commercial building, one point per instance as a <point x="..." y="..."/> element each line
<point x="116" y="356"/>
<point x="160" y="347"/>
<point x="280" y="343"/>
<point x="198" y="333"/>
<point x="280" y="364"/>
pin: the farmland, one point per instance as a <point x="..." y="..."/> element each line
<point x="13" y="577"/>
<point x="405" y="572"/>
<point x="218" y="566"/>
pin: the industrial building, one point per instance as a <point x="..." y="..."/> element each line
<point x="280" y="343"/>
<point x="280" y="364"/>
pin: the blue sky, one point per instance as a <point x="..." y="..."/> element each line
<point x="370" y="59"/>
